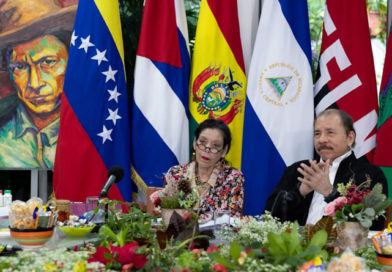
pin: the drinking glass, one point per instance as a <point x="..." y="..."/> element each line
<point x="221" y="221"/>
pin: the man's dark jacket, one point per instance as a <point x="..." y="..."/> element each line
<point x="286" y="202"/>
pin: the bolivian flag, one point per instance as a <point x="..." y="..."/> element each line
<point x="218" y="81"/>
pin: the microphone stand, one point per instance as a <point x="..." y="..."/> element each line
<point x="106" y="197"/>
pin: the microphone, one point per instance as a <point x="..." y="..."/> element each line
<point x="115" y="174"/>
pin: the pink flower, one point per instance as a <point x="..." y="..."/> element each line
<point x="339" y="202"/>
<point x="155" y="198"/>
<point x="330" y="209"/>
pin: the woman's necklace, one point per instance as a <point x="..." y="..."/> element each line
<point x="202" y="186"/>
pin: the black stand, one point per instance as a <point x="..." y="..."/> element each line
<point x="105" y="196"/>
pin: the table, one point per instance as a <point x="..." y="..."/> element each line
<point x="58" y="240"/>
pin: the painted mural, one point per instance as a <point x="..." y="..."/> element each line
<point x="34" y="42"/>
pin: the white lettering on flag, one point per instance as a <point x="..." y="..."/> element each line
<point x="363" y="127"/>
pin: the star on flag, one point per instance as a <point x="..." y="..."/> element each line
<point x="100" y="56"/>
<point x="86" y="44"/>
<point x="109" y="74"/>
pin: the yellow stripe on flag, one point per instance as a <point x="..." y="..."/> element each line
<point x="218" y="83"/>
<point x="111" y="15"/>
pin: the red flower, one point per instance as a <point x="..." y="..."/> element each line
<point x="192" y="246"/>
<point x="125" y="255"/>
<point x="248" y="250"/>
<point x="212" y="249"/>
<point x="99" y="256"/>
<point x="219" y="267"/>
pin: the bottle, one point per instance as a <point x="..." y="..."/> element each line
<point x="7" y="198"/>
<point x="1" y="198"/>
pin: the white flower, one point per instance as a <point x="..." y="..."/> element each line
<point x="255" y="229"/>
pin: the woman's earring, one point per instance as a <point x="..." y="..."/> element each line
<point x="193" y="156"/>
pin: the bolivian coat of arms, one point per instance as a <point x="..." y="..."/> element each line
<point x="217" y="93"/>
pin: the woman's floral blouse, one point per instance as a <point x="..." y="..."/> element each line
<point x="226" y="190"/>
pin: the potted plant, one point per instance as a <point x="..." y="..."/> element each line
<point x="182" y="201"/>
<point x="354" y="212"/>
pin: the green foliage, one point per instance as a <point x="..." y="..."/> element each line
<point x="131" y="20"/>
<point x="121" y="228"/>
<point x="316" y="17"/>
<point x="188" y="201"/>
<point x="289" y="247"/>
<point x="170" y="203"/>
<point x="174" y="256"/>
<point x="186" y="198"/>
<point x="377" y="5"/>
<point x="369" y="254"/>
<point x="192" y="12"/>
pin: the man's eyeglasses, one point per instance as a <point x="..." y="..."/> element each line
<point x="212" y="150"/>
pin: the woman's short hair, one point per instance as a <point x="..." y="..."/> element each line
<point x="347" y="121"/>
<point x="215" y="124"/>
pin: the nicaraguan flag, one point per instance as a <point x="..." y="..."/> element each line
<point x="278" y="125"/>
<point x="94" y="122"/>
<point x="160" y="137"/>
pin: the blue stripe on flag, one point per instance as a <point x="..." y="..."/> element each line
<point x="262" y="173"/>
<point x="151" y="157"/>
<point x="88" y="94"/>
<point x="160" y="135"/>
<point x="178" y="78"/>
<point x="296" y="13"/>
<point x="277" y="132"/>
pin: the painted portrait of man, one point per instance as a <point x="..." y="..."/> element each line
<point x="34" y="41"/>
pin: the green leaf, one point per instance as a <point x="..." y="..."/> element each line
<point x="106" y="231"/>
<point x="107" y="255"/>
<point x="276" y="243"/>
<point x="235" y="251"/>
<point x="366" y="223"/>
<point x="339" y="213"/>
<point x="293" y="242"/>
<point x="319" y="239"/>
<point x="224" y="262"/>
<point x="369" y="212"/>
<point x="357" y="207"/>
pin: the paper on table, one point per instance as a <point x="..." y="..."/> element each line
<point x="224" y="219"/>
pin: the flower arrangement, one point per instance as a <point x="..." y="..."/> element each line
<point x="186" y="197"/>
<point x="358" y="203"/>
<point x="252" y="229"/>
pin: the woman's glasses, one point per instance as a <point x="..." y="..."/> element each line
<point x="212" y="150"/>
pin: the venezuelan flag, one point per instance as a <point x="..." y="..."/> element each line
<point x="218" y="79"/>
<point x="94" y="120"/>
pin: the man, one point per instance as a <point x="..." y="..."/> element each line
<point x="34" y="52"/>
<point x="307" y="186"/>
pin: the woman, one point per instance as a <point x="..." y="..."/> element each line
<point x="219" y="186"/>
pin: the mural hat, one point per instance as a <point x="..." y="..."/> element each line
<point x="22" y="21"/>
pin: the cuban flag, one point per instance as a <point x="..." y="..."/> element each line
<point x="94" y="120"/>
<point x="160" y="129"/>
<point x="278" y="124"/>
